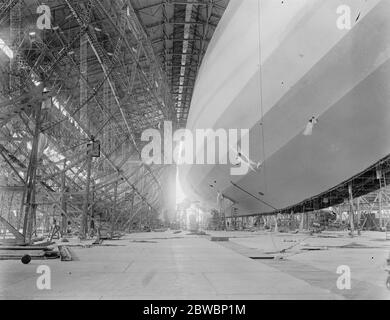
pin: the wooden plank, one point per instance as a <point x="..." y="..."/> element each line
<point x="23" y="248"/>
<point x="20" y="257"/>
<point x="219" y="239"/>
<point x="22" y="253"/>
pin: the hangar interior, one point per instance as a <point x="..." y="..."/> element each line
<point x="77" y="92"/>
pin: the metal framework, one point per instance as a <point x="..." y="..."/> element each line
<point x="106" y="71"/>
<point x="364" y="200"/>
<point x="102" y="74"/>
<point x="180" y="32"/>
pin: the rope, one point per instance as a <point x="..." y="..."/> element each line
<point x="262" y="110"/>
<point x="261" y="96"/>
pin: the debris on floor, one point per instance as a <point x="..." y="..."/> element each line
<point x="265" y="257"/>
<point x="160" y="230"/>
<point x="65" y="253"/>
<point x="143" y="241"/>
<point x="98" y="242"/>
<point x="219" y="239"/>
<point x="26" y="259"/>
<point x="310" y="248"/>
<point x="354" y="245"/>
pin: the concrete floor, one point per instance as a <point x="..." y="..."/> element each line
<point x="181" y="266"/>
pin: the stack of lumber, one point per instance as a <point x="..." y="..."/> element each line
<point x="35" y="252"/>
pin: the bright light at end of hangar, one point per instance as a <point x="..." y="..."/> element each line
<point x="180" y="195"/>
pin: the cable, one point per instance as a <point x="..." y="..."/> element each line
<point x="253" y="196"/>
<point x="262" y="110"/>
<point x="261" y="97"/>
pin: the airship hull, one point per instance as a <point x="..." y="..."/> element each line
<point x="274" y="78"/>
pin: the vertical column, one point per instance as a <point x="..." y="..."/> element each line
<point x="31" y="177"/>
<point x="106" y="143"/>
<point x="351" y="208"/>
<point x="301" y="222"/>
<point x="379" y="177"/>
<point x="15" y="39"/>
<point x="276" y="223"/>
<point x="149" y="217"/>
<point x="140" y="216"/>
<point x="304" y="218"/>
<point x="92" y="207"/>
<point x="84" y="118"/>
<point x="132" y="208"/>
<point x="358" y="215"/>
<point x="16" y="34"/>
<point x="2" y="204"/>
<point x="113" y="209"/>
<point x="84" y="219"/>
<point x="64" y="222"/>
<point x="307" y="221"/>
<point x="380" y="209"/>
